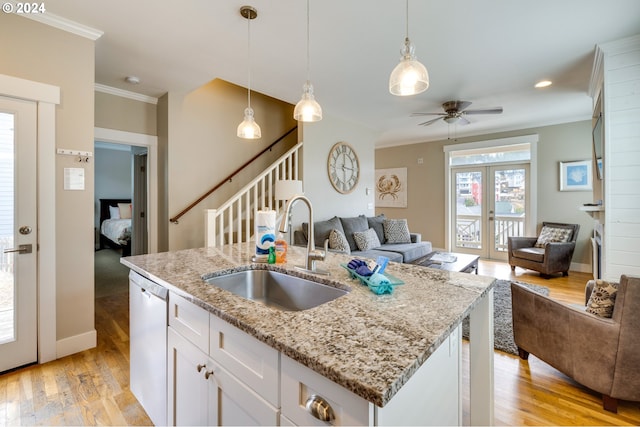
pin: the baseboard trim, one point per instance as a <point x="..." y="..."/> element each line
<point x="581" y="267"/>
<point x="76" y="343"/>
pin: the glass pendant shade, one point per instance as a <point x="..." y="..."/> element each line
<point x="307" y="109"/>
<point x="409" y="77"/>
<point x="249" y="129"/>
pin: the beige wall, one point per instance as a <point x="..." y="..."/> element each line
<point x="318" y="139"/>
<point x="37" y="52"/>
<point x="129" y="115"/>
<point x="202" y="148"/>
<point x="426" y="210"/>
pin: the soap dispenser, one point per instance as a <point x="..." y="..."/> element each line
<point x="281" y="249"/>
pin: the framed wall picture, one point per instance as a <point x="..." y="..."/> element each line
<point x="391" y="188"/>
<point x="576" y="176"/>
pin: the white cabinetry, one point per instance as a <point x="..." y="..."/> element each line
<point x="208" y="388"/>
<point x="251" y="361"/>
<point x="300" y="383"/>
<point x="188" y="395"/>
<point x="219" y="375"/>
<point x="418" y="402"/>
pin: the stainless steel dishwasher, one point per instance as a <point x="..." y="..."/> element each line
<point x="148" y="317"/>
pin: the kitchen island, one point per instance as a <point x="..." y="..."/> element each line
<point x="370" y="345"/>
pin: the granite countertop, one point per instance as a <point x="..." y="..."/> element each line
<point x="370" y="344"/>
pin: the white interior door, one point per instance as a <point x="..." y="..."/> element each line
<point x="489" y="204"/>
<point x="18" y="233"/>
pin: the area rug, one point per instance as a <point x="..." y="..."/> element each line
<point x="502" y="320"/>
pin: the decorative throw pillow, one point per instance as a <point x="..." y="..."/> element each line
<point x="125" y="210"/>
<point x="338" y="242"/>
<point x="321" y="230"/>
<point x="114" y="212"/>
<point x="352" y="225"/>
<point x="552" y="235"/>
<point x="396" y="231"/>
<point x="602" y="299"/>
<point x="366" y="239"/>
<point x="376" y="222"/>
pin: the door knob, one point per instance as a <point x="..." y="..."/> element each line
<point x="25" y="229"/>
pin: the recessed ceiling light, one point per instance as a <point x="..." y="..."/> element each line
<point x="543" y="83"/>
<point x="132" y="80"/>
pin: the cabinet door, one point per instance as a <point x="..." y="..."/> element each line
<point x="187" y="389"/>
<point x="251" y="361"/>
<point x="191" y="321"/>
<point x="232" y="403"/>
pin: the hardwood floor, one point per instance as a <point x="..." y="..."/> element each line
<point x="87" y="388"/>
<point x="92" y="387"/>
<point x="532" y="392"/>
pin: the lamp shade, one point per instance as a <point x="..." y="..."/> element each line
<point x="248" y="128"/>
<point x="287" y="188"/>
<point x="409" y="77"/>
<point x="307" y="109"/>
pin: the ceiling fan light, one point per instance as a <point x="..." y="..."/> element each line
<point x="451" y="119"/>
<point x="307" y="109"/>
<point x="409" y="77"/>
<point x="249" y="129"/>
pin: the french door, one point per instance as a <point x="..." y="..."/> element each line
<point x="18" y="233"/>
<point x="490" y="203"/>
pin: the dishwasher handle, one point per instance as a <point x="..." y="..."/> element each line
<point x="148" y="287"/>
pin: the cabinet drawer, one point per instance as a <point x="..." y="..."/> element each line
<point x="299" y="383"/>
<point x="252" y="361"/>
<point x="233" y="403"/>
<point x="191" y="321"/>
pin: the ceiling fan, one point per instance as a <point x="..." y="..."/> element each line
<point x="455" y="112"/>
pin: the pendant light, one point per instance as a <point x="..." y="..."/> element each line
<point x="249" y="129"/>
<point x="307" y="109"/>
<point x="409" y="77"/>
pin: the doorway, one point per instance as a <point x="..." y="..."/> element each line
<point x="490" y="204"/>
<point x="18" y="233"/>
<point x="140" y="164"/>
<point x="490" y="194"/>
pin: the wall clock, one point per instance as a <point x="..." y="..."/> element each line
<point x="343" y="167"/>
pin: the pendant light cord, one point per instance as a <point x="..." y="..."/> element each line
<point x="407" y="20"/>
<point x="308" y="55"/>
<point x="249" y="59"/>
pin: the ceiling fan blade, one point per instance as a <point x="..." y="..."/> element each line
<point x="428" y="122"/>
<point x="497" y="110"/>
<point x="461" y="105"/>
<point x="427" y="114"/>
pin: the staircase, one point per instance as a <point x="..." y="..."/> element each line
<point x="233" y="221"/>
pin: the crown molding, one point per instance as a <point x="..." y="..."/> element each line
<point x="61" y="23"/>
<point x="126" y="94"/>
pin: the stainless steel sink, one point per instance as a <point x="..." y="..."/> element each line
<point x="275" y="289"/>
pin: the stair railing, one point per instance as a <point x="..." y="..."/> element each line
<point x="175" y="219"/>
<point x="233" y="218"/>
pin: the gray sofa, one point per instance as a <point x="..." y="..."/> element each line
<point x="398" y="252"/>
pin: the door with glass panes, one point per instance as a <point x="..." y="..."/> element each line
<point x="18" y="233"/>
<point x="489" y="204"/>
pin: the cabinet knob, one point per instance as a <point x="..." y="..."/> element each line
<point x="208" y="374"/>
<point x="320" y="408"/>
<point x="201" y="367"/>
